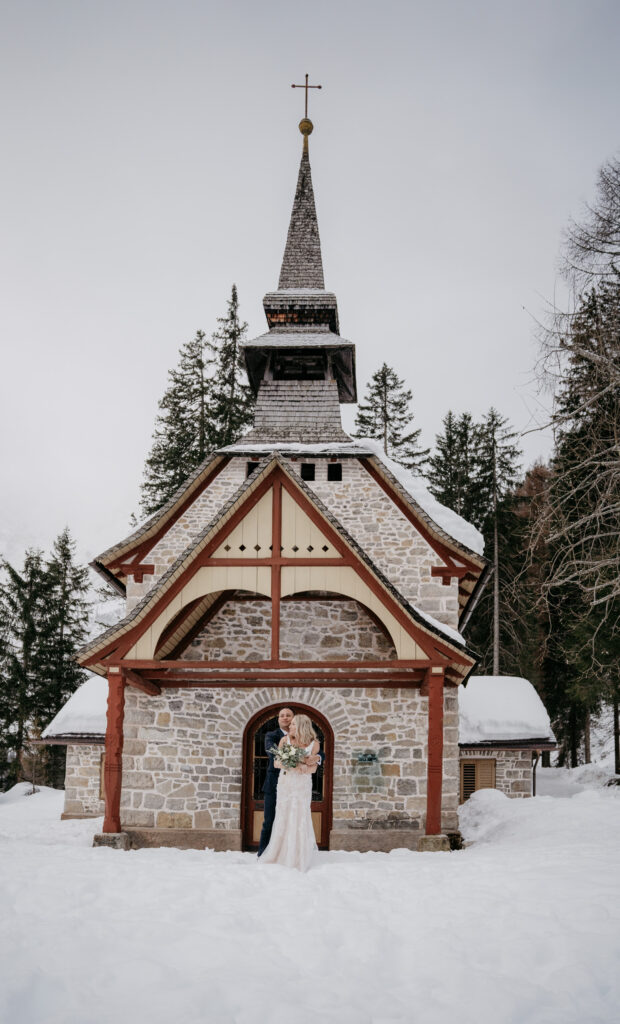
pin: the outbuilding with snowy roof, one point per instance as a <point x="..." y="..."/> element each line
<point x="503" y="730"/>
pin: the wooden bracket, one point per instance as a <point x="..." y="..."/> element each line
<point x="448" y="572"/>
<point x="146" y="685"/>
<point x="136" y="569"/>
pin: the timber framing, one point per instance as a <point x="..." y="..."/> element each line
<point x="274" y="475"/>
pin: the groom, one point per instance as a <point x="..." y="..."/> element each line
<point x="270" y="787"/>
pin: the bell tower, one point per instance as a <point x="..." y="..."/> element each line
<point x="301" y="369"/>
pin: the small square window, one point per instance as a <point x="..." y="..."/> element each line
<point x="307" y="470"/>
<point x="334" y="470"/>
<point x="250" y="467"/>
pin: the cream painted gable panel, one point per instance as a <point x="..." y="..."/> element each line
<point x="300" y="537"/>
<point x="298" y="579"/>
<point x="207" y="580"/>
<point x="252" y="537"/>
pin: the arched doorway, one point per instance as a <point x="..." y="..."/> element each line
<point x="255" y="766"/>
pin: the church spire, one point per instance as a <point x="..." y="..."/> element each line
<point x="302" y="266"/>
<point x="301" y="369"/>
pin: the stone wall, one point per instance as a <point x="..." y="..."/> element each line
<point x="83" y="781"/>
<point x="513" y="768"/>
<point x="310" y="630"/>
<point x="513" y="772"/>
<point x="182" y="759"/>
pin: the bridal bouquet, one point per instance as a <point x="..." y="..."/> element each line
<point x="288" y="755"/>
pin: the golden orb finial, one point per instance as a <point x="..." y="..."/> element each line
<point x="306" y="127"/>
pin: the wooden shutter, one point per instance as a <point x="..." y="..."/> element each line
<point x="485" y="773"/>
<point x="477" y="774"/>
<point x="468" y="779"/>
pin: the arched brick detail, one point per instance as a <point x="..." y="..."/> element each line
<point x="328" y="705"/>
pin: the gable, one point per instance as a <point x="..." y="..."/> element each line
<point x="290" y="542"/>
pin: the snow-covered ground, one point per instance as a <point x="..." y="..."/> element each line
<point x="523" y="926"/>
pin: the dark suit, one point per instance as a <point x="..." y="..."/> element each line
<point x="270" y="789"/>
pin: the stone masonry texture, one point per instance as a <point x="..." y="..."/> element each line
<point x="83" y="780"/>
<point x="182" y="758"/>
<point x="309" y="631"/>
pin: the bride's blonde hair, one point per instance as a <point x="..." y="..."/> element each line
<point x="304" y="729"/>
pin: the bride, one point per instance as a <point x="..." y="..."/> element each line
<point x="292" y="840"/>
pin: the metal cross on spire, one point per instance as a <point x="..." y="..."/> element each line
<point x="306" y="87"/>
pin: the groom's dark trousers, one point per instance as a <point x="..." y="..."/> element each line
<point x="270" y="790"/>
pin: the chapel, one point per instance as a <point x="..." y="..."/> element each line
<point x="297" y="567"/>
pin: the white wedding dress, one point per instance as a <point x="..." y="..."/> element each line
<point x="292" y="840"/>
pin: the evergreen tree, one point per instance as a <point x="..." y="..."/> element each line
<point x="233" y="398"/>
<point x="67" y="629"/>
<point x="183" y="429"/>
<point x="385" y="416"/>
<point x="24" y="656"/>
<point x="581" y="590"/>
<point x="43" y="621"/>
<point x="207" y="404"/>
<point x="496" y="476"/>
<point x="452" y="467"/>
<point x="474" y="471"/>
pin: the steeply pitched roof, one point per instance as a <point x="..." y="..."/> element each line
<point x="302" y="266"/>
<point x="184" y="561"/>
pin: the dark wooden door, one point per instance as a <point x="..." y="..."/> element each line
<point x="255" y="764"/>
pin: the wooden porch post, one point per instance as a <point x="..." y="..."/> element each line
<point x="435" y="751"/>
<point x="113" y="774"/>
<point x="276" y="581"/>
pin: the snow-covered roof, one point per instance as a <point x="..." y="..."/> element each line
<point x="84" y="714"/>
<point x="495" y="708"/>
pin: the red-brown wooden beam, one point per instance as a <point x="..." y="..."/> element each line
<point x="271" y="561"/>
<point x="136" y="569"/>
<point x="276" y="578"/>
<point x="113" y="771"/>
<point x="292" y="679"/>
<point x="139" y="683"/>
<point x="165" y="665"/>
<point x="435" y="681"/>
<point x="448" y="572"/>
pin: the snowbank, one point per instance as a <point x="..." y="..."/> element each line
<point x="522" y="927"/>
<point x="501" y="708"/>
<point x="84" y="713"/>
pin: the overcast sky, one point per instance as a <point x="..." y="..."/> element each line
<point x="150" y="154"/>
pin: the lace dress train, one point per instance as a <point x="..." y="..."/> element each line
<point x="292" y="840"/>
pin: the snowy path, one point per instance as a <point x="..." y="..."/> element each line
<point x="521" y="927"/>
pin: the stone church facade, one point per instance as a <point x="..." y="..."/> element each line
<point x="297" y="567"/>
